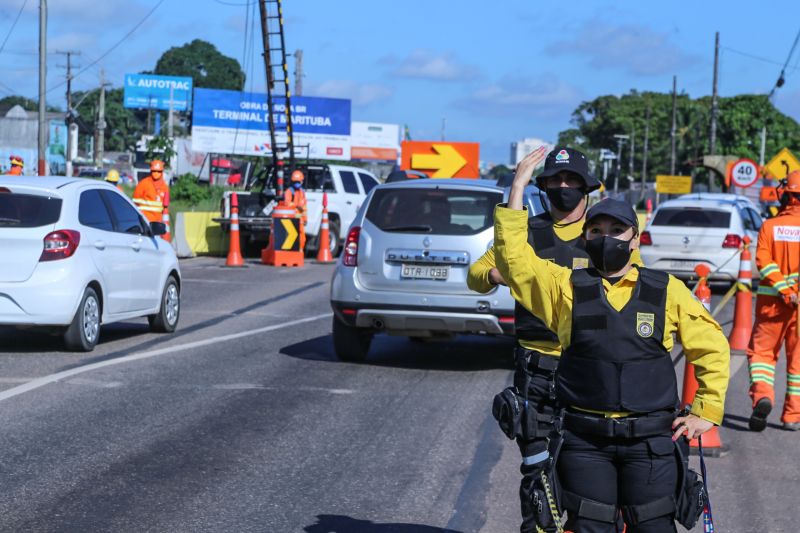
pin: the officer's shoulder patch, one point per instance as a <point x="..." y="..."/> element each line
<point x="645" y="324"/>
<point x="580" y="262"/>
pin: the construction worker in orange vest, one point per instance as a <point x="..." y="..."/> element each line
<point x="17" y="166"/>
<point x="778" y="260"/>
<point x="112" y="177"/>
<point x="152" y="193"/>
<point x="296" y="196"/>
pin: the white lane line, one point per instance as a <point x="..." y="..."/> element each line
<point x="15" y="380"/>
<point x="256" y="386"/>
<point x="58" y="376"/>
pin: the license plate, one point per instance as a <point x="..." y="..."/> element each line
<point x="424" y="272"/>
<point x="683" y="264"/>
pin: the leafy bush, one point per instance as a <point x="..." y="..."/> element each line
<point x="186" y="190"/>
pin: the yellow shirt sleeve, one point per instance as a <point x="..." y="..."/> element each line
<point x="535" y="283"/>
<point x="705" y="347"/>
<point x="478" y="275"/>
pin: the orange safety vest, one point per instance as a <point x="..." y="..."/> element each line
<point x="151" y="196"/>
<point x="297" y="198"/>
<point x="15" y="171"/>
<point x="778" y="253"/>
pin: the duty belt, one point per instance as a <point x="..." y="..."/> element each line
<point x="627" y="427"/>
<point x="538" y="360"/>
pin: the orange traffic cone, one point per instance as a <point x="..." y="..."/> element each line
<point x="165" y="219"/>
<point x="324" y="253"/>
<point x="743" y="315"/>
<point x="712" y="444"/>
<point x="234" y="249"/>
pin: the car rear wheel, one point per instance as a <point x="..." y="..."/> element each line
<point x="166" y="320"/>
<point x="336" y="240"/>
<point x="84" y="331"/>
<point x="351" y="343"/>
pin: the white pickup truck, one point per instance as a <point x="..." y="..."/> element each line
<point x="347" y="187"/>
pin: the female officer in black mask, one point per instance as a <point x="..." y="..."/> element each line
<point x="616" y="323"/>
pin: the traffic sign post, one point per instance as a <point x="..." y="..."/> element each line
<point x="744" y="173"/>
<point x="673" y="184"/>
<point x="441" y="159"/>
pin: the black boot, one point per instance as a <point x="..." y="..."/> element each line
<point x="758" y="420"/>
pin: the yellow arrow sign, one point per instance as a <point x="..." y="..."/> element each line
<point x="446" y="161"/>
<point x="783" y="163"/>
<point x="291" y="233"/>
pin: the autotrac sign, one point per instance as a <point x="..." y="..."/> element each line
<point x="148" y="91"/>
<point x="233" y="122"/>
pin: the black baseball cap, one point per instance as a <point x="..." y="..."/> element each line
<point x="571" y="160"/>
<point x="616" y="209"/>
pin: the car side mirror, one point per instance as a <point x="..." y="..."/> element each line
<point x="158" y="228"/>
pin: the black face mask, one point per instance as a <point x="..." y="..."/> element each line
<point x="565" y="198"/>
<point x="608" y="254"/>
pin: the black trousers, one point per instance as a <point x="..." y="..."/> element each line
<point x="541" y="393"/>
<point x="619" y="471"/>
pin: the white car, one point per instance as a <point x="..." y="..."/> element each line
<point x="76" y="253"/>
<point x="701" y="228"/>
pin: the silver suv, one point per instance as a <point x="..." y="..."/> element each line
<point x="404" y="267"/>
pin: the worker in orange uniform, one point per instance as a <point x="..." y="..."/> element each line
<point x="296" y="196"/>
<point x="17" y="166"/>
<point x="778" y="260"/>
<point x="152" y="193"/>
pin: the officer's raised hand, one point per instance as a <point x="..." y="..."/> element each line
<point x="522" y="178"/>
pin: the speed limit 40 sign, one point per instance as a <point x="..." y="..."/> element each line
<point x="744" y="173"/>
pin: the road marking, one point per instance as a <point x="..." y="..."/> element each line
<point x="256" y="386"/>
<point x="58" y="376"/>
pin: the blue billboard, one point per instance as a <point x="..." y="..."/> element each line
<point x="248" y="111"/>
<point x="148" y="91"/>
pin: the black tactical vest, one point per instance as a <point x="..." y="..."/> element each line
<point x="570" y="254"/>
<point x="616" y="360"/>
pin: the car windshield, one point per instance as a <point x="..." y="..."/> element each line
<point x="692" y="217"/>
<point x="437" y="211"/>
<point x="28" y="210"/>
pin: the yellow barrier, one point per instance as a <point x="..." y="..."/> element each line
<point x="203" y="235"/>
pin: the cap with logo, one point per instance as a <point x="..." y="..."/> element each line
<point x="569" y="160"/>
<point x="615" y="209"/>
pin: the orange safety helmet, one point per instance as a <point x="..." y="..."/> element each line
<point x="156" y="165"/>
<point x="793" y="182"/>
<point x="297" y="175"/>
<point x="16" y="161"/>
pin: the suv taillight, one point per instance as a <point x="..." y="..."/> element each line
<point x="350" y="257"/>
<point x="645" y="239"/>
<point x="60" y="244"/>
<point x="732" y="241"/>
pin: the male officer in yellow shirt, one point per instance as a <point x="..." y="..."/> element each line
<point x="615" y="323"/>
<point x="556" y="236"/>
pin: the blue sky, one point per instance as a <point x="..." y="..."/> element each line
<point x="497" y="71"/>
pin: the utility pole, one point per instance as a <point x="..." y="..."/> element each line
<point x="712" y="143"/>
<point x="644" y="149"/>
<point x="632" y="152"/>
<point x="170" y="117"/>
<point x="673" y="130"/>
<point x="620" y="141"/>
<point x="69" y="66"/>
<point x="298" y="73"/>
<point x="100" y="127"/>
<point x="444" y="124"/>
<point x="42" y="137"/>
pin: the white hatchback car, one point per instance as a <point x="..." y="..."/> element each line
<point x="701" y="228"/>
<point x="76" y="253"/>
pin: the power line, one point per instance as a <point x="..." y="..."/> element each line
<point x="782" y="77"/>
<point x="13" y="25"/>
<point x="107" y="52"/>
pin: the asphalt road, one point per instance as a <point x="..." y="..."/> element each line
<point x="244" y="421"/>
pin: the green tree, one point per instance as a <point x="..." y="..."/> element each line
<point x="740" y="120"/>
<point x="123" y="126"/>
<point x="201" y="61"/>
<point x="26" y="103"/>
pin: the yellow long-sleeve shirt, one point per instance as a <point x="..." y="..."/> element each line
<point x="544" y="289"/>
<point x="478" y="281"/>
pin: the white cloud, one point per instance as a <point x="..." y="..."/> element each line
<point x="546" y="95"/>
<point x="637" y="50"/>
<point x="427" y="65"/>
<point x="362" y="94"/>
